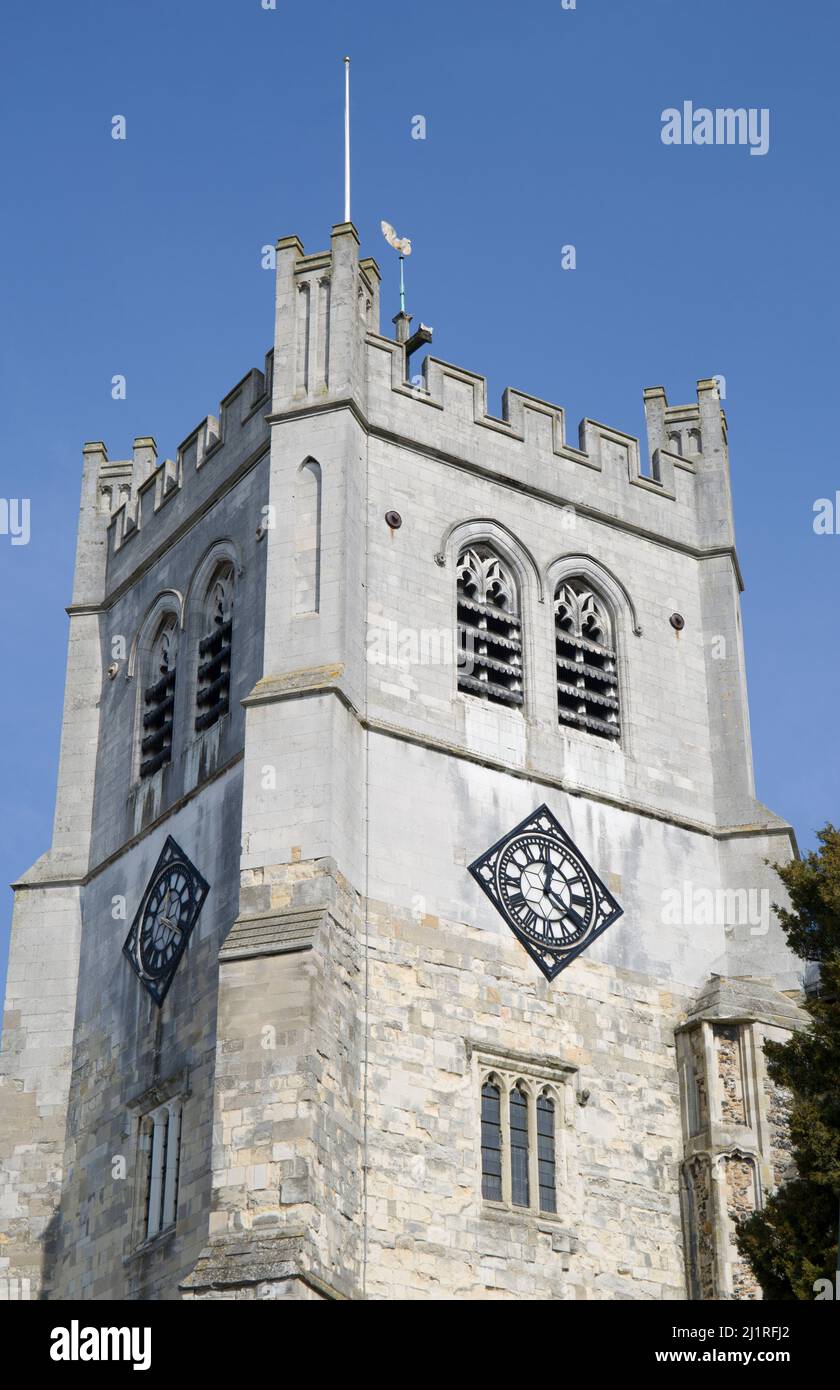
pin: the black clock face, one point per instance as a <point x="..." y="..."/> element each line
<point x="169" y="908"/>
<point x="161" y="928"/>
<point x="551" y="898"/>
<point x="546" y="889"/>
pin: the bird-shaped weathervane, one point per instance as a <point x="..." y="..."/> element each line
<point x="403" y="245"/>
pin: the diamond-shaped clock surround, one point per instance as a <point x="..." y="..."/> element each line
<point x="543" y="829"/>
<point x="175" y="873"/>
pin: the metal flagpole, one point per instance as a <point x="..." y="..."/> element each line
<point x="402" y="284"/>
<point x="347" y="139"/>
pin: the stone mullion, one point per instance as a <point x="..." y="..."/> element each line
<point x="153" y="1216"/>
<point x="533" y="1167"/>
<point x="170" y="1177"/>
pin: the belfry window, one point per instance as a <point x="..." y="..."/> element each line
<point x="489" y="628"/>
<point x="587" y="676"/>
<point x="159" y="701"/>
<point x="213" y="694"/>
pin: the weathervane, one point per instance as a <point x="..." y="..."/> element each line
<point x="403" y="245"/>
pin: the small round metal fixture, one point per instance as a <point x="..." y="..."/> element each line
<point x="394" y="520"/>
<point x="677" y="622"/>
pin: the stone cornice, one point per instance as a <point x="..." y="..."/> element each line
<point x="327" y="680"/>
<point x="81" y="880"/>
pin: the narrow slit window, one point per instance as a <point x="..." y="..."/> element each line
<point x="159" y="703"/>
<point x="213" y="694"/>
<point x="587" y="674"/>
<point x="162" y="1143"/>
<point x="519" y="1186"/>
<point x="546" y="1163"/>
<point x="491" y="1143"/>
<point x="489" y="629"/>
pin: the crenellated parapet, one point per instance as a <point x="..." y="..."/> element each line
<point x="140" y="496"/>
<point x="329" y="351"/>
<point x="678" y="487"/>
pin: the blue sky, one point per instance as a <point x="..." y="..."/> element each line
<point x="142" y="257"/>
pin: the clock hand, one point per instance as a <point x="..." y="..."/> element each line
<point x="574" y="918"/>
<point x="170" y="911"/>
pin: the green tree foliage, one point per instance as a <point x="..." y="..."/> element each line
<point x="793" y="1241"/>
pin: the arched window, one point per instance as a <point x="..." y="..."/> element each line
<point x="521" y="1145"/>
<point x="546" y="1171"/>
<point x="213" y="692"/>
<point x="519" y="1186"/>
<point x="491" y="1143"/>
<point x="159" y="699"/>
<point x="160" y="1149"/>
<point x="587" y="676"/>
<point x="489" y="628"/>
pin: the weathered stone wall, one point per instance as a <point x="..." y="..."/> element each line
<point x="700" y="1229"/>
<point x="438" y="991"/>
<point x="125" y="1051"/>
<point x="734" y="1157"/>
<point x="730" y="1075"/>
<point x="287" y="1164"/>
<point x="781" y="1147"/>
<point x="35" y="1080"/>
<point x="739" y="1175"/>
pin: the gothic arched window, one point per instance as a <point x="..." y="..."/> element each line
<point x="587" y="674"/>
<point x="491" y="1143"/>
<point x="213" y="691"/>
<point x="159" y="699"/>
<point x="546" y="1163"/>
<point x="489" y="628"/>
<point x="522" y="1163"/>
<point x="519" y="1185"/>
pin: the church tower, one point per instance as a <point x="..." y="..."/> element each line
<point x="406" y="929"/>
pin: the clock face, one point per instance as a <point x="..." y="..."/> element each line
<point x="545" y="889"/>
<point x="169" y="908"/>
<point x="550" y="897"/>
<point x="166" y="916"/>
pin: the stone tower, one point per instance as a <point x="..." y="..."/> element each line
<point x="291" y="1011"/>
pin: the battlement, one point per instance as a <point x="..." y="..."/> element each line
<point x="677" y="487"/>
<point x="675" y="443"/>
<point x="133" y="492"/>
<point x="329" y="353"/>
<point x="329" y="350"/>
